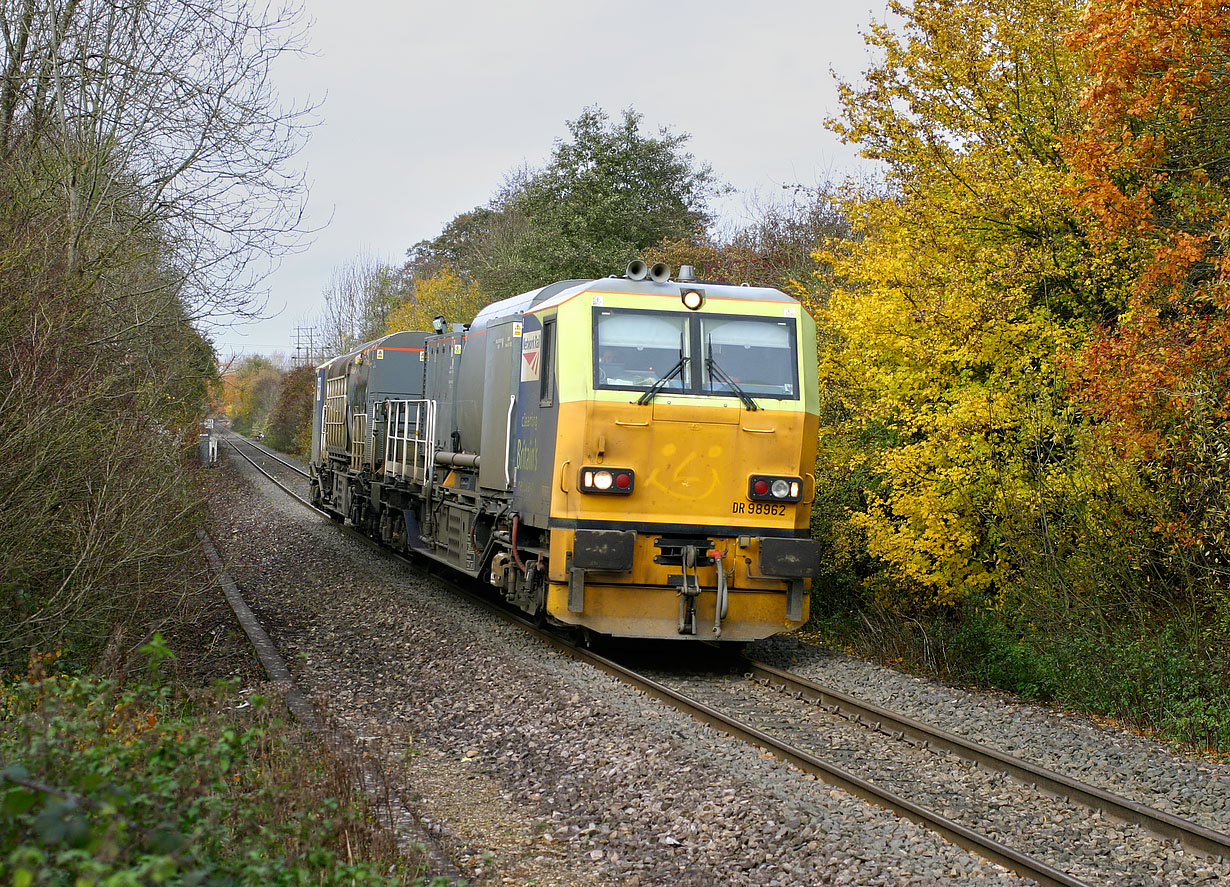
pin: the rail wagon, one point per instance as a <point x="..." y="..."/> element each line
<point x="631" y="455"/>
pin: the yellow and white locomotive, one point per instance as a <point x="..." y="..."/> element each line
<point x="633" y="455"/>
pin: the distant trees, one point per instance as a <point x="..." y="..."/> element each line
<point x="262" y="396"/>
<point x="607" y="194"/>
<point x="255" y="384"/>
<point x="289" y="426"/>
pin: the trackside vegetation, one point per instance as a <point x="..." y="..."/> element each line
<point x="1025" y="355"/>
<point x="136" y="208"/>
<point x="146" y="185"/>
<point x="141" y="783"/>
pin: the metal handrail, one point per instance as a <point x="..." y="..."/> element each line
<point x="409" y="441"/>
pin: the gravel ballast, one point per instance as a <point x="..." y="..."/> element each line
<point x="1114" y="759"/>
<point x="533" y="768"/>
<point x="1085" y="844"/>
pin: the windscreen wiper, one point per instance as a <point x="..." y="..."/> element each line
<point x="661" y="383"/>
<point x="715" y="370"/>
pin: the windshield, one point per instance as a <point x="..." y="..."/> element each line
<point x="757" y="355"/>
<point x="636" y="349"/>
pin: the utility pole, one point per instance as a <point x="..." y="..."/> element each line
<point x="305" y="347"/>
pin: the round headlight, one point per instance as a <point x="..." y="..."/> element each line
<point x="780" y="489"/>
<point x="603" y="480"/>
<point x="693" y="299"/>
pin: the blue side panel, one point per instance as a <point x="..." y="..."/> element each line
<point x="534" y="434"/>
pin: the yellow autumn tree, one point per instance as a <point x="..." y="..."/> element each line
<point x="964" y="284"/>
<point x="444" y="293"/>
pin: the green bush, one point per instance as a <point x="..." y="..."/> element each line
<point x="997" y="654"/>
<point x="102" y="784"/>
<point x="1155" y="676"/>
<point x="1158" y="675"/>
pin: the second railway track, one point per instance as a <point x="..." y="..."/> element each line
<point x="805" y="746"/>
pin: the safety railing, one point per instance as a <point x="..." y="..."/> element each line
<point x="409" y="442"/>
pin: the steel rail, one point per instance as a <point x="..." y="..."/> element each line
<point x="265" y="451"/>
<point x="1157" y="822"/>
<point x="963" y="837"/>
<point x="285" y="489"/>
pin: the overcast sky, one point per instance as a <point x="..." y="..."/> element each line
<point x="425" y="107"/>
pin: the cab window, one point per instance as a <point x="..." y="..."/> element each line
<point x="713" y="354"/>
<point x="757" y="355"/>
<point x="634" y="349"/>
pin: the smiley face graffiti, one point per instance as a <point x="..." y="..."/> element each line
<point x="691" y="480"/>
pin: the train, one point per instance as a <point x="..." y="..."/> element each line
<point x="632" y="456"/>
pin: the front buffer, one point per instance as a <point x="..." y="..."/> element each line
<point x="683" y="585"/>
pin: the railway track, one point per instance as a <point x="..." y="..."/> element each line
<point x="791" y="744"/>
<point x="270" y="455"/>
<point x="1157" y="822"/>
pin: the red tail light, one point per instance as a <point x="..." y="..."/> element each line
<point x="607" y="480"/>
<point x="774" y="488"/>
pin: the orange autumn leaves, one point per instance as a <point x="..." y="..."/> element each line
<point x="1151" y="166"/>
